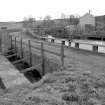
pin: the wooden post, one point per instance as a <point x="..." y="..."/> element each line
<point x="63" y="42"/>
<point x="21" y="48"/>
<point x="62" y="56"/>
<point x="15" y="44"/>
<point x="30" y="54"/>
<point x="0" y="43"/>
<point x="42" y="57"/>
<point x="11" y="41"/>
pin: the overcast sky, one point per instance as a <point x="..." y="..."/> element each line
<point x="16" y="10"/>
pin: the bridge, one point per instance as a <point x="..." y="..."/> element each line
<point x="46" y="57"/>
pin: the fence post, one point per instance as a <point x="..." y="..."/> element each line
<point x="1" y="41"/>
<point x="21" y="47"/>
<point x="11" y="41"/>
<point x="62" y="56"/>
<point x="15" y="43"/>
<point x="42" y="57"/>
<point x="30" y="54"/>
<point x="63" y="42"/>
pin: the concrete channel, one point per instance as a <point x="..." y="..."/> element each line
<point x="22" y="64"/>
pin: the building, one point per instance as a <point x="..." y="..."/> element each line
<point x="86" y="21"/>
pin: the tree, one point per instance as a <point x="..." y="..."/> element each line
<point x="28" y="22"/>
<point x="48" y="17"/>
<point x="25" y="22"/>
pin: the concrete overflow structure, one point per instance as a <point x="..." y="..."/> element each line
<point x="23" y="55"/>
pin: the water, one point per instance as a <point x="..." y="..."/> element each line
<point x="86" y="44"/>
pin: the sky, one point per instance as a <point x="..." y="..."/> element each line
<point x="16" y="10"/>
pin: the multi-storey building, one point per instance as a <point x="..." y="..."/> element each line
<point x="86" y="21"/>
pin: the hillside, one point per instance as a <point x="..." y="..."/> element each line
<point x="11" y="25"/>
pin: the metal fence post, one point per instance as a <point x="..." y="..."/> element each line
<point x="42" y="57"/>
<point x="30" y="54"/>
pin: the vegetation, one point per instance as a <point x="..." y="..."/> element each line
<point x="55" y="27"/>
<point x="59" y="88"/>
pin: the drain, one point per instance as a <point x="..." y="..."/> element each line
<point x="14" y="58"/>
<point x="10" y="53"/>
<point x="32" y="75"/>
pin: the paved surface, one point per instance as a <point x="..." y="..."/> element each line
<point x="9" y="74"/>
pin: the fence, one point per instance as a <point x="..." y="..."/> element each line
<point x="30" y="45"/>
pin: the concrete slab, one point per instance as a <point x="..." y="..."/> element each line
<point x="10" y="75"/>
